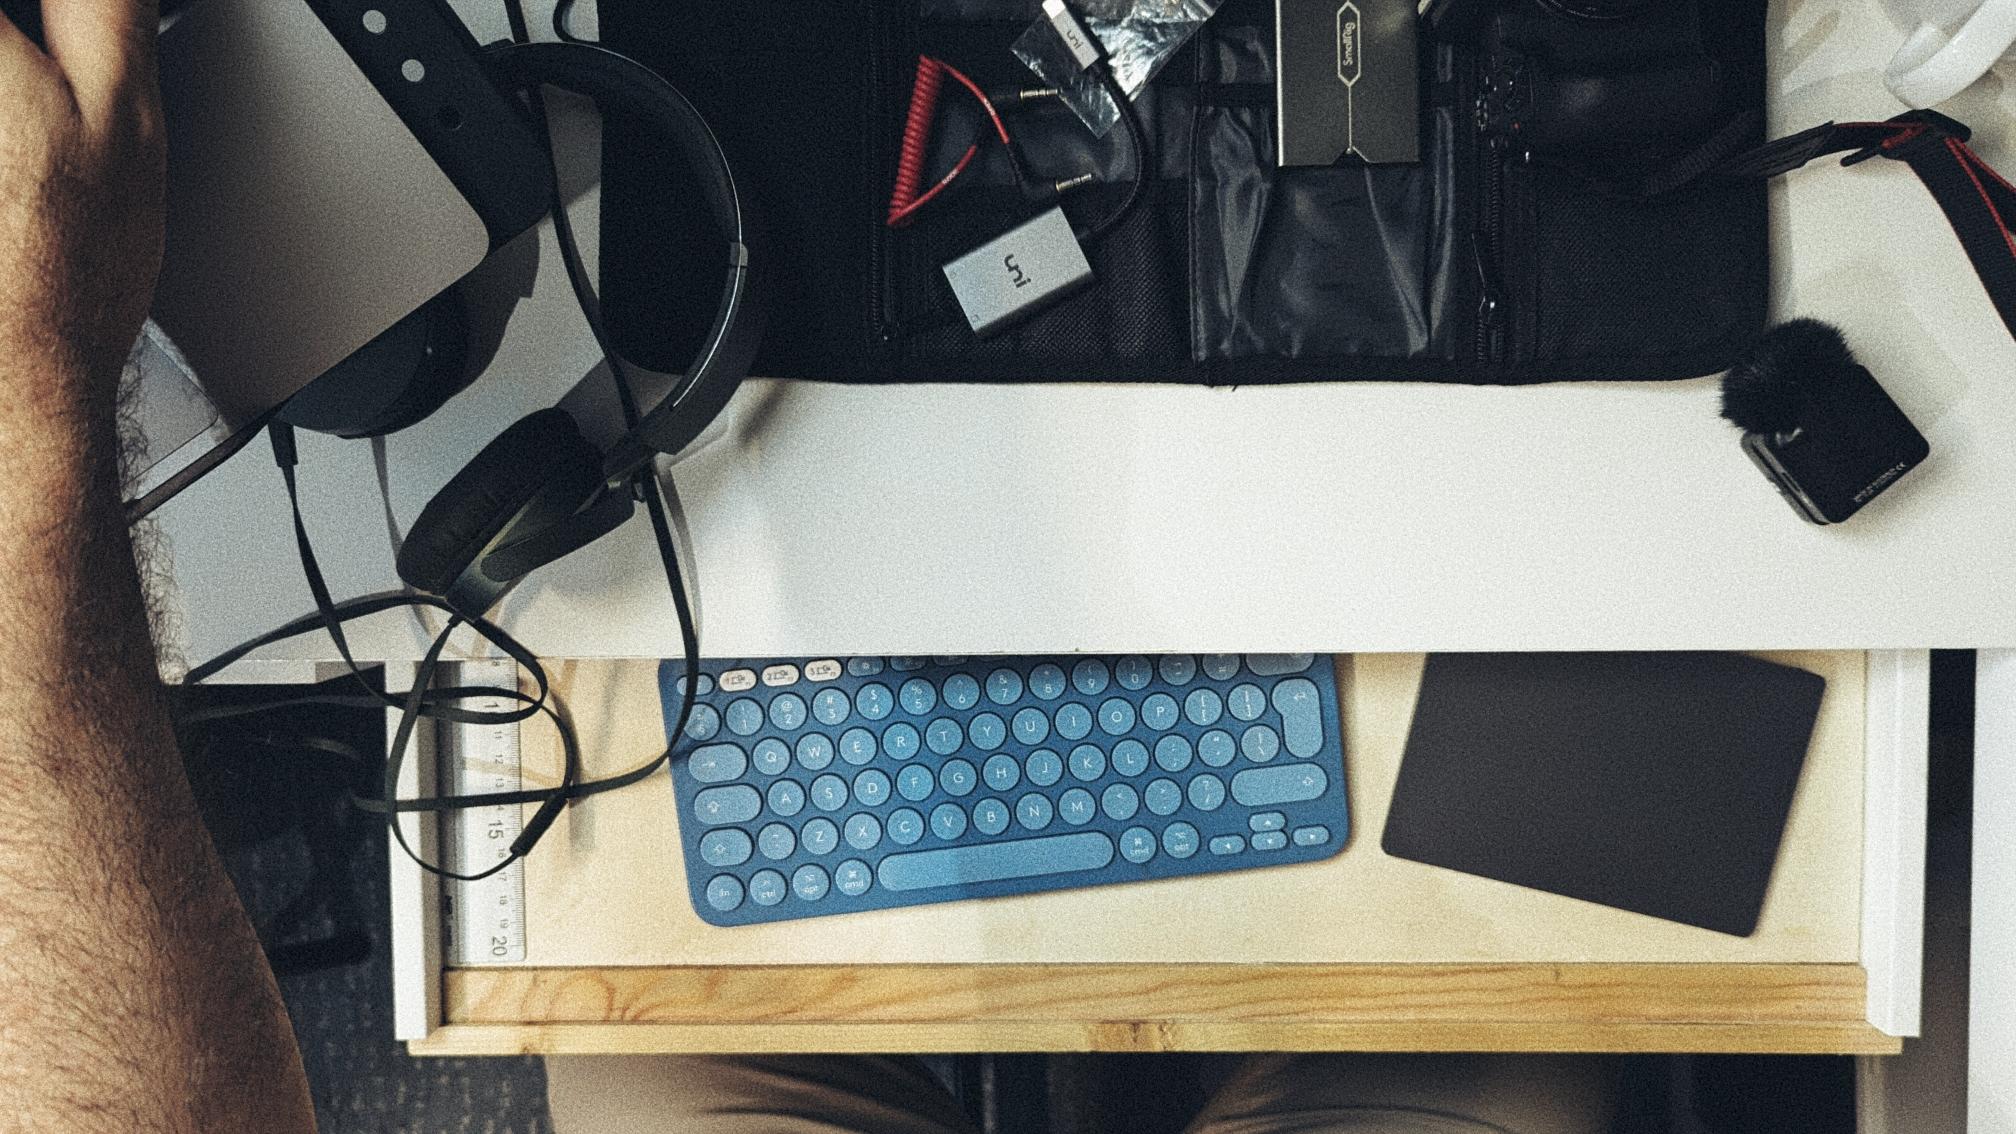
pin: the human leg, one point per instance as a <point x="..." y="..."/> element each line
<point x="1413" y="1094"/>
<point x="756" y="1094"/>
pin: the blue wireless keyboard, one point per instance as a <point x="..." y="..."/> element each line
<point x="821" y="786"/>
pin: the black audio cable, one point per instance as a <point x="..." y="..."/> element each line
<point x="563" y="23"/>
<point x="909" y="194"/>
<point x="1090" y="56"/>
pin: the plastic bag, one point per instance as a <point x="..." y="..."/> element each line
<point x="1138" y="36"/>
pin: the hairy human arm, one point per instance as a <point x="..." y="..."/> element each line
<point x="133" y="994"/>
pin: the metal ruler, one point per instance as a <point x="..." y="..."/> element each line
<point x="485" y="920"/>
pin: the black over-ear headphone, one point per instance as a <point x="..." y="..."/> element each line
<point x="541" y="490"/>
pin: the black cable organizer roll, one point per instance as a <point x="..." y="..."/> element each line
<point x="1476" y="265"/>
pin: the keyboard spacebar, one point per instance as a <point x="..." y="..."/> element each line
<point x="995" y="862"/>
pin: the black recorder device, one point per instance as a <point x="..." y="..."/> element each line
<point x="1818" y="424"/>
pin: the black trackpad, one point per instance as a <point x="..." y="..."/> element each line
<point x="1653" y="782"/>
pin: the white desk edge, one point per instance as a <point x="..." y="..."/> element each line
<point x="931" y="519"/>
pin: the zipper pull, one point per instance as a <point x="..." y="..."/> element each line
<point x="1505" y="98"/>
<point x="1491" y="296"/>
<point x="1490" y="300"/>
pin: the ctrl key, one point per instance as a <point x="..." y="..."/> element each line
<point x="766" y="887"/>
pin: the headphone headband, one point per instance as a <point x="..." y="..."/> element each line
<point x="540" y="491"/>
<point x="617" y="81"/>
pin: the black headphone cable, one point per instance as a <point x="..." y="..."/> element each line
<point x="424" y="701"/>
<point x="443" y="704"/>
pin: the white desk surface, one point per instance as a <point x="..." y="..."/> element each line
<point x="1342" y="517"/>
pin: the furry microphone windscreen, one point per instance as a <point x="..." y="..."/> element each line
<point x="1792" y="365"/>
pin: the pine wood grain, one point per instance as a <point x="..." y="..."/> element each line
<point x="1393" y="957"/>
<point x="608" y="884"/>
<point x="1781" y="1008"/>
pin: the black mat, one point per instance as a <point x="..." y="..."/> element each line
<point x="1657" y="783"/>
<point x="314" y="880"/>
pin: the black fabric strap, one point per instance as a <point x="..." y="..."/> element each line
<point x="1727" y="144"/>
<point x="1977" y="201"/>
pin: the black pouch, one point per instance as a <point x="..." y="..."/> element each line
<point x="1489" y="261"/>
<point x="1598" y="281"/>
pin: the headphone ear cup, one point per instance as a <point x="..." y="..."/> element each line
<point x="444" y="370"/>
<point x="543" y="454"/>
<point x="396" y="379"/>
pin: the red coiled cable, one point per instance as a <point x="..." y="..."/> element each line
<point x="904" y="198"/>
<point x="916" y="135"/>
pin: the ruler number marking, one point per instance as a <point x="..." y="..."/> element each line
<point x="486" y="919"/>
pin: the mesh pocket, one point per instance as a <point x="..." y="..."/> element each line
<point x="1671" y="287"/>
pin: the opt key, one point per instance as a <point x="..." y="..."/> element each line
<point x="1301" y="715"/>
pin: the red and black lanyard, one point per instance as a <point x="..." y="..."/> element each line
<point x="1977" y="201"/>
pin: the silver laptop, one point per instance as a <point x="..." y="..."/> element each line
<point x="304" y="218"/>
